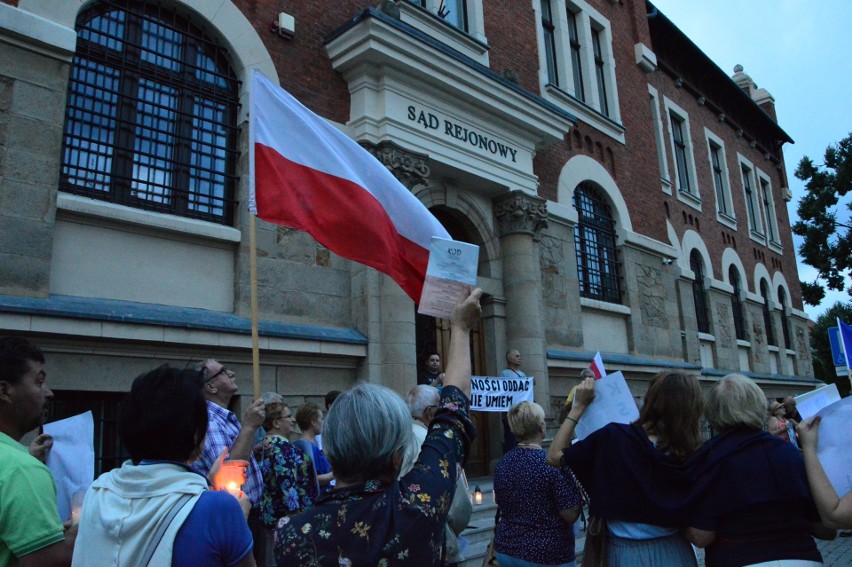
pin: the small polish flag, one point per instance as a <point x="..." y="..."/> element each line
<point x="597" y="367"/>
<point x="307" y="174"/>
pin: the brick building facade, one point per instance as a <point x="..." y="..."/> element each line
<point x="628" y="196"/>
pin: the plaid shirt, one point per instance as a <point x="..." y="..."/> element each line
<point x="222" y="431"/>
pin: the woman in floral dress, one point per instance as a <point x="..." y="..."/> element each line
<point x="289" y="481"/>
<point x="371" y="517"/>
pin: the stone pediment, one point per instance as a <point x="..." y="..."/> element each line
<point x="410" y="88"/>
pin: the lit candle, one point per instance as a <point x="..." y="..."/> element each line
<point x="76" y="507"/>
<point x="477" y="495"/>
<point x="230" y="477"/>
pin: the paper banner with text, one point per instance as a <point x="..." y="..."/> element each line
<point x="488" y="393"/>
<point x="613" y="403"/>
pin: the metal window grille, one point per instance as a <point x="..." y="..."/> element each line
<point x="699" y="295"/>
<point x="680" y="153"/>
<point x="151" y="114"/>
<point x="767" y="316"/>
<point x="600" y="71"/>
<point x="576" y="57"/>
<point x="785" y="324"/>
<point x="109" y="453"/>
<point x="737" y="306"/>
<point x="549" y="42"/>
<point x="718" y="178"/>
<point x="594" y="240"/>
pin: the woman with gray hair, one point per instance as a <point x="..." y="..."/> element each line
<point x="755" y="502"/>
<point x="371" y="517"/>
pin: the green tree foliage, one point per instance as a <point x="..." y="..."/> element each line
<point x="821" y="348"/>
<point x="827" y="244"/>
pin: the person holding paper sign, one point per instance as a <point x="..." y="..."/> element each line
<point x="30" y="530"/>
<point x="513" y="360"/>
<point x="754" y="504"/>
<point x="835" y="512"/>
<point x="631" y="471"/>
<point x="371" y="517"/>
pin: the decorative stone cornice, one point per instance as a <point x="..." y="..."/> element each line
<point x="518" y="212"/>
<point x="410" y="168"/>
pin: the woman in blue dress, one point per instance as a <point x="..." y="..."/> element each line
<point x="538" y="503"/>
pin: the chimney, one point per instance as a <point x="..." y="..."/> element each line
<point x="762" y="97"/>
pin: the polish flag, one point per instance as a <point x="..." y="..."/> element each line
<point x="307" y="174"/>
<point x="597" y="367"/>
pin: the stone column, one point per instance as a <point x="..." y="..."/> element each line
<point x="520" y="219"/>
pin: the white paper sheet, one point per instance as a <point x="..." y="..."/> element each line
<point x="72" y="458"/>
<point x="835" y="432"/>
<point x="450" y="274"/>
<point x="613" y="403"/>
<point x="810" y="403"/>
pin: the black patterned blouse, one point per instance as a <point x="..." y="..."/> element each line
<point x="376" y="523"/>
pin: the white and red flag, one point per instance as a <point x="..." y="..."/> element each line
<point x="307" y="174"/>
<point x="597" y="367"/>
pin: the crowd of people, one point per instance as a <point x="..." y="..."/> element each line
<point x="378" y="479"/>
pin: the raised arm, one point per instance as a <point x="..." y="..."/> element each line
<point x="582" y="398"/>
<point x="835" y="512"/>
<point x="252" y="420"/>
<point x="465" y="316"/>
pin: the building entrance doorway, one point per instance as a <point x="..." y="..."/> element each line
<point x="433" y="336"/>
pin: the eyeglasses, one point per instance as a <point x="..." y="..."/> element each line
<point x="223" y="370"/>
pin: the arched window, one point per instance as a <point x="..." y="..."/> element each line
<point x="699" y="295"/>
<point x="151" y="113"/>
<point x="736" y="303"/>
<point x="594" y="240"/>
<point x="785" y="325"/>
<point x="767" y="317"/>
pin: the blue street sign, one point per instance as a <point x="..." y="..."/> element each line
<point x="836" y="349"/>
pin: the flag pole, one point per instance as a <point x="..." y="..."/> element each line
<point x="255" y="345"/>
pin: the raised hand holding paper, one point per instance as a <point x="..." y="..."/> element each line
<point x="450" y="274"/>
<point x="613" y="403"/>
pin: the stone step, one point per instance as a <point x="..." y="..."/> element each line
<point x="479" y="531"/>
<point x="474" y="554"/>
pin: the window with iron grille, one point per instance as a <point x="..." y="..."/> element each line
<point x="600" y="71"/>
<point x="151" y="113"/>
<point x="594" y="240"/>
<point x="785" y="324"/>
<point x="767" y="316"/>
<point x="576" y="56"/>
<point x="680" y="153"/>
<point x="109" y="453"/>
<point x="549" y="42"/>
<point x="736" y="304"/>
<point x="699" y="295"/>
